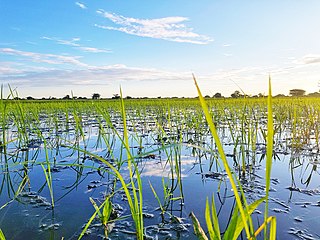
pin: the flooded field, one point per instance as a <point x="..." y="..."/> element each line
<point x="73" y="169"/>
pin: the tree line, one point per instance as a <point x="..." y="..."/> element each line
<point x="236" y="94"/>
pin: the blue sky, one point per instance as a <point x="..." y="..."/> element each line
<point x="151" y="48"/>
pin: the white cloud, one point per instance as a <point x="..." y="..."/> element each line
<point x="44" y="58"/>
<point x="93" y="50"/>
<point x="309" y="59"/>
<point x="160" y="82"/>
<point x="74" y="42"/>
<point x="92" y="75"/>
<point x="81" y="5"/>
<point x="169" y="28"/>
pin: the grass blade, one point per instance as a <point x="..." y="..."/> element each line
<point x="197" y="228"/>
<point x="2" y="237"/>
<point x="213" y="227"/>
<point x="222" y="156"/>
<point x="269" y="154"/>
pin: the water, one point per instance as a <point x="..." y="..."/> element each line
<point x="77" y="177"/>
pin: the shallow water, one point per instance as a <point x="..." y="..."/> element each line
<point x="77" y="176"/>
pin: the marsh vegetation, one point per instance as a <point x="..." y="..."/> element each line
<point x="159" y="168"/>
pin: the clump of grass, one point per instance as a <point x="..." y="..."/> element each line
<point x="238" y="223"/>
<point x="135" y="200"/>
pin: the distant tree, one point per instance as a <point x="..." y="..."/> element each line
<point x="314" y="94"/>
<point x="206" y="96"/>
<point x="236" y="94"/>
<point x="297" y="92"/>
<point x="260" y="95"/>
<point x="116" y="96"/>
<point x="66" y="97"/>
<point x="30" y="98"/>
<point x="217" y="95"/>
<point x="280" y="95"/>
<point x="128" y="97"/>
<point x="96" y="96"/>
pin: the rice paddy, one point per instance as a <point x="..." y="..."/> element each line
<point x="160" y="168"/>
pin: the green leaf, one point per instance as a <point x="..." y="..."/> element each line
<point x="106" y="212"/>
<point x="250" y="209"/>
<point x="213" y="227"/>
<point x="230" y="231"/>
<point x="222" y="156"/>
<point x="269" y="154"/>
<point x="2" y="237"/>
<point x="96" y="208"/>
<point x="197" y="228"/>
<point x="89" y="222"/>
<point x="273" y="229"/>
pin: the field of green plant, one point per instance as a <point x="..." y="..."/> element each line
<point x="159" y="168"/>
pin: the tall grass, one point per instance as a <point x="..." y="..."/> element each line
<point x="173" y="125"/>
<point x="244" y="221"/>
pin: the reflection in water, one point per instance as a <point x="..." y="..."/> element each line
<point x="179" y="160"/>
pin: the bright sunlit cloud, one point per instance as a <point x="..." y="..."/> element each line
<point x="81" y="5"/>
<point x="168" y="28"/>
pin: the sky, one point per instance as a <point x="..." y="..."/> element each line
<point x="151" y="48"/>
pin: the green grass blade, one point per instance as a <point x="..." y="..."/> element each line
<point x="230" y="231"/>
<point x="137" y="201"/>
<point x="157" y="197"/>
<point x="223" y="156"/>
<point x="107" y="210"/>
<point x="49" y="182"/>
<point x="273" y="229"/>
<point x="240" y="224"/>
<point x="2" y="237"/>
<point x="213" y="227"/>
<point x="88" y="223"/>
<point x="197" y="228"/>
<point x="269" y="154"/>
<point x="96" y="207"/>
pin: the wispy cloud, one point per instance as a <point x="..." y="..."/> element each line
<point x="81" y="5"/>
<point x="92" y="75"/>
<point x="93" y="50"/>
<point x="44" y="58"/>
<point x="168" y="28"/>
<point x="74" y="42"/>
<point x="308" y="59"/>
